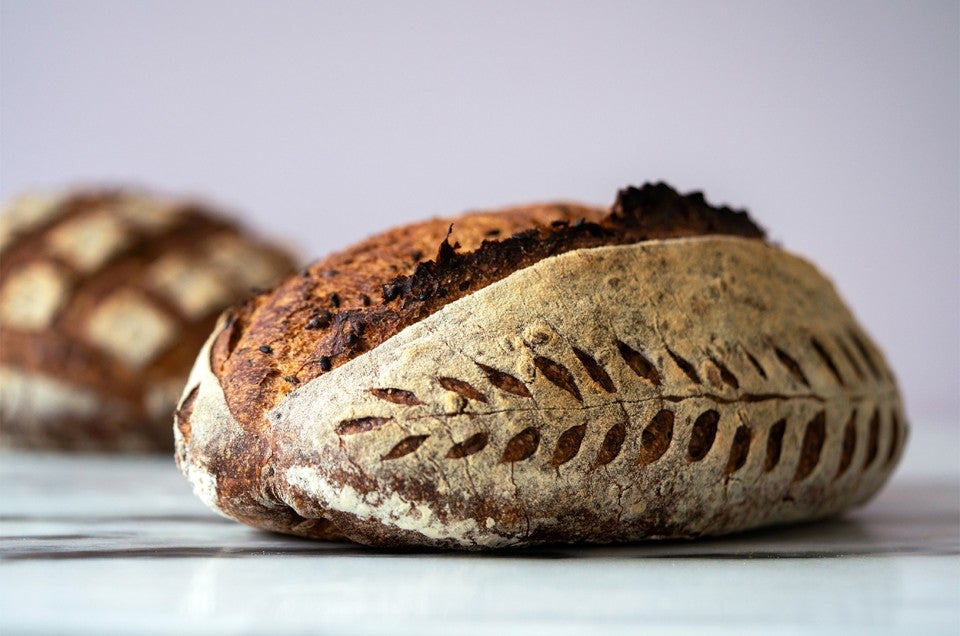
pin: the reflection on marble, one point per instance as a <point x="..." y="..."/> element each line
<point x="106" y="545"/>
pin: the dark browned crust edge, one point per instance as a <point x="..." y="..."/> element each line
<point x="245" y="353"/>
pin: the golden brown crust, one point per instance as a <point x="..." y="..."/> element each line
<point x="128" y="287"/>
<point x="353" y="300"/>
<point x="300" y="316"/>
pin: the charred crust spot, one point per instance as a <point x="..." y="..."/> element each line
<point x="568" y="445"/>
<point x="849" y="444"/>
<point x="365" y="300"/>
<point x="320" y="321"/>
<point x="390" y="291"/>
<point x="505" y="381"/>
<point x="702" y="435"/>
<point x="656" y="437"/>
<point x="612" y="444"/>
<point x="345" y="333"/>
<point x="447" y="253"/>
<point x="595" y="371"/>
<point x="265" y="349"/>
<point x="559" y="375"/>
<point x="685" y="366"/>
<point x="525" y="235"/>
<point x="813" y="439"/>
<point x="292" y="379"/>
<point x="774" y="445"/>
<point x="827" y="360"/>
<point x="792" y="366"/>
<point x="493" y="232"/>
<point x="324" y="363"/>
<point x="404" y="447"/>
<point x="521" y="446"/>
<point x="658" y="203"/>
<point x="361" y="425"/>
<point x="739" y="450"/>
<point x="334" y="300"/>
<point x="473" y="444"/>
<point x="397" y="396"/>
<point x="463" y="389"/>
<point x="638" y="363"/>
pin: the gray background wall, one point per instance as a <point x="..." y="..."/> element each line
<point x="835" y="123"/>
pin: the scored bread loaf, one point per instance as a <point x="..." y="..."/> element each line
<point x="105" y="299"/>
<point x="553" y="373"/>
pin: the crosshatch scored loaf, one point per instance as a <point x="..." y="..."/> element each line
<point x="552" y="373"/>
<point x="105" y="298"/>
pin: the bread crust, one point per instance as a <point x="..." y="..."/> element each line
<point x="105" y="297"/>
<point x="352" y="301"/>
<point x="664" y="388"/>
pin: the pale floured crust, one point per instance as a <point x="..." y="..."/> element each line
<point x="105" y="296"/>
<point x="672" y="388"/>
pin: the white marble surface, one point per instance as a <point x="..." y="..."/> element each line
<point x="94" y="545"/>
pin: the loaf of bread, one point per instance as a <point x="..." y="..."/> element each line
<point x="105" y="299"/>
<point x="554" y="373"/>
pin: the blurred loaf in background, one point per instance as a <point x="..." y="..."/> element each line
<point x="105" y="298"/>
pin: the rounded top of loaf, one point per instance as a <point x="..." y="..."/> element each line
<point x="353" y="300"/>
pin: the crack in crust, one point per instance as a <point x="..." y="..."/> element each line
<point x="314" y="335"/>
